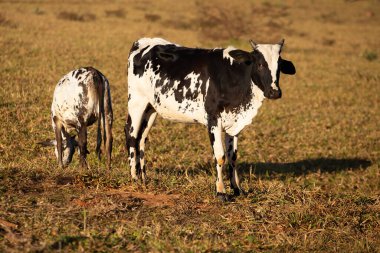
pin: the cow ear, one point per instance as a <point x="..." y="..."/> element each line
<point x="287" y="67"/>
<point x="241" y="56"/>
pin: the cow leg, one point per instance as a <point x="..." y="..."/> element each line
<point x="215" y="133"/>
<point x="147" y="123"/>
<point x="132" y="128"/>
<point x="58" y="136"/>
<point x="231" y="147"/>
<point x="82" y="142"/>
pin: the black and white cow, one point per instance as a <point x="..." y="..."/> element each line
<point x="81" y="98"/>
<point x="219" y="88"/>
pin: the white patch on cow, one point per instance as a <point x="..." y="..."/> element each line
<point x="234" y="122"/>
<point x="194" y="81"/>
<point x="226" y="54"/>
<point x="151" y="42"/>
<point x="271" y="53"/>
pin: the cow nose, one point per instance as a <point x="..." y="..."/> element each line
<point x="275" y="94"/>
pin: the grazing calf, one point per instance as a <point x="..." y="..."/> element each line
<point x="219" y="88"/>
<point x="81" y="98"/>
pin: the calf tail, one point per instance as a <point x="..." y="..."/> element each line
<point x="98" y="83"/>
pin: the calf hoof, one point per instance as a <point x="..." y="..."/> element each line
<point x="223" y="197"/>
<point x="239" y="192"/>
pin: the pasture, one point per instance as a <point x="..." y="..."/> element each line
<point x="310" y="160"/>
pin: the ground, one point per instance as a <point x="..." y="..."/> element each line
<point x="309" y="161"/>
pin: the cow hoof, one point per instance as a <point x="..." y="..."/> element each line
<point x="223" y="197"/>
<point x="239" y="192"/>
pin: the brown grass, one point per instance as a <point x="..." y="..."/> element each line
<point x="310" y="161"/>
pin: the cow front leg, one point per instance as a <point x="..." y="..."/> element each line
<point x="231" y="147"/>
<point x="132" y="129"/>
<point x="147" y="123"/>
<point x="215" y="133"/>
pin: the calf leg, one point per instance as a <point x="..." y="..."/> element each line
<point x="215" y="133"/>
<point x="132" y="128"/>
<point x="147" y="123"/>
<point x="231" y="146"/>
<point x="109" y="140"/>
<point x="57" y="126"/>
<point x="82" y="142"/>
<point x="108" y="127"/>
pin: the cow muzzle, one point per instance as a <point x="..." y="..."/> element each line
<point x="273" y="94"/>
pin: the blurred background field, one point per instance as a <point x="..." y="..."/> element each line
<point x="310" y="161"/>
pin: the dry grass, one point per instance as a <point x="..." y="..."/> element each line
<point x="310" y="160"/>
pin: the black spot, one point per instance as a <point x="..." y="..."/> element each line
<point x="132" y="154"/>
<point x="229" y="148"/>
<point x="79" y="72"/>
<point x="142" y="154"/>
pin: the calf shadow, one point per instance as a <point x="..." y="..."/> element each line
<point x="297" y="168"/>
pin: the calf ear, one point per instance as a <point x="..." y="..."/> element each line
<point x="47" y="143"/>
<point x="241" y="56"/>
<point x="287" y="67"/>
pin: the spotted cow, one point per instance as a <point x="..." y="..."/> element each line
<point x="219" y="88"/>
<point x="81" y="98"/>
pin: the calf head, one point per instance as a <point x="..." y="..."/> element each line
<point x="267" y="65"/>
<point x="68" y="148"/>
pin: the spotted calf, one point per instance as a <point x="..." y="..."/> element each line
<point x="219" y="88"/>
<point x="81" y="98"/>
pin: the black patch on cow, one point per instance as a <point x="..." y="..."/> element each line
<point x="139" y="62"/>
<point x="127" y="133"/>
<point x="132" y="154"/>
<point x="230" y="171"/>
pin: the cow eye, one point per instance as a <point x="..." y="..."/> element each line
<point x="261" y="66"/>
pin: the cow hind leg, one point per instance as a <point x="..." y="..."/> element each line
<point x="132" y="128"/>
<point x="231" y="147"/>
<point x="215" y="133"/>
<point x="147" y="123"/>
<point x="82" y="142"/>
<point x="58" y="137"/>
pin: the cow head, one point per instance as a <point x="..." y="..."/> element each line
<point x="266" y="67"/>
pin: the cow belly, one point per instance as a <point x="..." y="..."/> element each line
<point x="186" y="112"/>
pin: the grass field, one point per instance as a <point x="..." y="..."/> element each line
<point x="310" y="161"/>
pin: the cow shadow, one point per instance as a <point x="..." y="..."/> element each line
<point x="304" y="167"/>
<point x="297" y="168"/>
